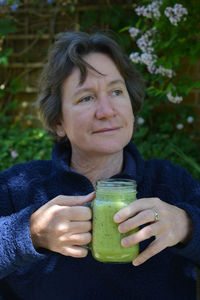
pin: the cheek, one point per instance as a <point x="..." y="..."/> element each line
<point x="130" y="122"/>
<point x="78" y="124"/>
<point x="128" y="115"/>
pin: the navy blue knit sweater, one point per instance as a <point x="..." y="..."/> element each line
<point x="27" y="274"/>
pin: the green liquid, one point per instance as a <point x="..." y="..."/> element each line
<point x="106" y="239"/>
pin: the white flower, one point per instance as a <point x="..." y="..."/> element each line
<point x="175" y="14"/>
<point x="145" y="44"/>
<point x="148" y="59"/>
<point x="134" y="32"/>
<point x="140" y="121"/>
<point x="177" y="99"/>
<point x="14" y="154"/>
<point x="151" y="69"/>
<point x="135" y="57"/>
<point x="165" y="72"/>
<point x="179" y="126"/>
<point x="149" y="11"/>
<point x="190" y="119"/>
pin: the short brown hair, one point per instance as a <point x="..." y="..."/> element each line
<point x="65" y="54"/>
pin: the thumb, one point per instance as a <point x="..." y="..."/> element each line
<point x="73" y="200"/>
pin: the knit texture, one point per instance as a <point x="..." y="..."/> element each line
<point x="28" y="274"/>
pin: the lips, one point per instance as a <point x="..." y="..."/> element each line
<point x="104" y="130"/>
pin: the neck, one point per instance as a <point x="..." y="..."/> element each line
<point x="96" y="168"/>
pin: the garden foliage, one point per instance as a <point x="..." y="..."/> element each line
<point x="165" y="34"/>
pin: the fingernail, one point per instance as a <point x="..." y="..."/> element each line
<point x="136" y="263"/>
<point x="124" y="243"/>
<point x="119" y="229"/>
<point x="116" y="218"/>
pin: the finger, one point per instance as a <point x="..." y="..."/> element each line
<point x="154" y="248"/>
<point x="80" y="227"/>
<point x="141" y="235"/>
<point x="74" y="251"/>
<point x="80" y="239"/>
<point x="134" y="208"/>
<point x="140" y="219"/>
<point x="72" y="227"/>
<point x="78" y="213"/>
<point x="71" y="213"/>
<point x="73" y="200"/>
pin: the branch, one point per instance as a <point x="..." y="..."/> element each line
<point x="26" y="49"/>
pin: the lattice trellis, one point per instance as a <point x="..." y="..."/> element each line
<point x="36" y="29"/>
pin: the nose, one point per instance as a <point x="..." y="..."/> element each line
<point x="105" y="109"/>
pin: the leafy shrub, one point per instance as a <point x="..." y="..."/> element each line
<point x="164" y="34"/>
<point x="20" y="143"/>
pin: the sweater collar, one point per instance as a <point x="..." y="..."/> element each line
<point x="133" y="165"/>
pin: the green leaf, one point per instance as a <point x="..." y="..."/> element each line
<point x="196" y="84"/>
<point x="15" y="86"/>
<point x="124" y="29"/>
<point x="6" y="26"/>
<point x="4" y="56"/>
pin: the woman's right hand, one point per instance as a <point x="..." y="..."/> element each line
<point x="63" y="225"/>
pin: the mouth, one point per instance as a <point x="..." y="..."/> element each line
<point x="107" y="130"/>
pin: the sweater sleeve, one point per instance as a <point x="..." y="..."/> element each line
<point x="190" y="194"/>
<point x="16" y="248"/>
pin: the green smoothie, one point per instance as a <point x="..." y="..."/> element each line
<point x="106" y="239"/>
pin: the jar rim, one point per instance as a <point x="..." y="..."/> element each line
<point x="116" y="182"/>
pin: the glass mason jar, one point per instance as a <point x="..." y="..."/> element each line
<point x="111" y="196"/>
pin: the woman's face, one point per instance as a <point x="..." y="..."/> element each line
<point x="97" y="115"/>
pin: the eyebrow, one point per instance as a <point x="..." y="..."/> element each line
<point x="88" y="89"/>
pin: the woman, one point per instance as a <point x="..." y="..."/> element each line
<point x="90" y="95"/>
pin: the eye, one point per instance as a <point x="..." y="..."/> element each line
<point x="86" y="99"/>
<point x="117" y="92"/>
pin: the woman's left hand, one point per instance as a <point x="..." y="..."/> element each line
<point x="169" y="225"/>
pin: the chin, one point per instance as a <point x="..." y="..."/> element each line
<point x="110" y="148"/>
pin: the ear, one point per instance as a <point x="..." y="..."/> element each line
<point x="59" y="130"/>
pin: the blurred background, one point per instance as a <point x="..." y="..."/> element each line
<point x="162" y="39"/>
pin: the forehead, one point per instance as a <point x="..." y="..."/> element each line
<point x="102" y="63"/>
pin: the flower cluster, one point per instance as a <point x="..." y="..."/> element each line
<point x="148" y="59"/>
<point x="179" y="126"/>
<point x="135" y="57"/>
<point x="145" y="58"/>
<point x="145" y="42"/>
<point x="149" y="11"/>
<point x="174" y="99"/>
<point x="190" y="119"/>
<point x="175" y="13"/>
<point x="164" y="72"/>
<point x="13" y="6"/>
<point x="134" y="32"/>
<point x="14" y="154"/>
<point x="140" y="121"/>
